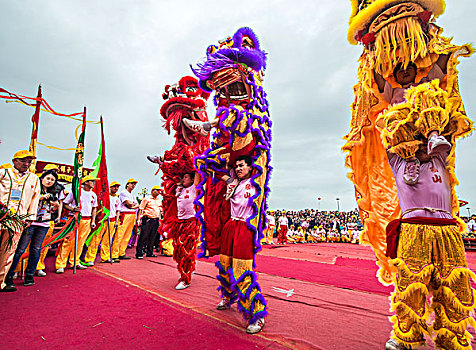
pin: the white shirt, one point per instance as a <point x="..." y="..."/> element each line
<point x="240" y="208"/>
<point x="271" y="220"/>
<point x="283" y="221"/>
<point x="123" y="197"/>
<point x="185" y="207"/>
<point x="114" y="201"/>
<point x="88" y="199"/>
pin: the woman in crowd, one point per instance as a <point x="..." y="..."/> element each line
<point x="36" y="232"/>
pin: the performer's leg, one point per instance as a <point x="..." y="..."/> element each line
<point x="412" y="280"/>
<point x="185" y="245"/>
<point x="21" y="248"/>
<point x="94" y="245"/>
<point x="129" y="221"/>
<point x="44" y="251"/>
<point x="63" y="252"/>
<point x="244" y="280"/>
<point x="224" y="277"/>
<point x="453" y="297"/>
<point x="269" y="236"/>
<point x="149" y="244"/>
<point x="6" y="255"/>
<point x="105" y="243"/>
<point x="83" y="231"/>
<point x="37" y="238"/>
<point x="120" y="232"/>
<point x="224" y="266"/>
<point x="251" y="302"/>
<point x="145" y="232"/>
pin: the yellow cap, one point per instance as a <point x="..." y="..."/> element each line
<point x="131" y="181"/>
<point x="89" y="178"/>
<point x="157" y="187"/>
<point x="50" y="167"/>
<point x="23" y="154"/>
<point x="114" y="183"/>
<point x="6" y="166"/>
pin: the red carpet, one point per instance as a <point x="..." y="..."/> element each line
<point x="90" y="311"/>
<point x="320" y="296"/>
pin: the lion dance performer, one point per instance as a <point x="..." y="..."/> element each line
<point x="233" y="213"/>
<point x="406" y="117"/>
<point x="184" y="101"/>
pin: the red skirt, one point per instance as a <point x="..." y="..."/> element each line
<point x="237" y="240"/>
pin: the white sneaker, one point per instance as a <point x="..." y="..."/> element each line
<point x="230" y="189"/>
<point x="41" y="273"/>
<point x="196" y="126"/>
<point x="255" y="327"/>
<point x="155" y="159"/>
<point x="15" y="275"/>
<point x="81" y="267"/>
<point x="182" y="285"/>
<point x="224" y="304"/>
<point x="393" y="344"/>
<point x="91" y="263"/>
<point x="438" y="144"/>
<point x="60" y="270"/>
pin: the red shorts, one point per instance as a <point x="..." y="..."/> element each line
<point x="237" y="240"/>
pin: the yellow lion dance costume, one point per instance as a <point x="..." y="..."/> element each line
<point x="395" y="32"/>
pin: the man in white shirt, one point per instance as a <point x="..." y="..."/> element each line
<point x="88" y="206"/>
<point x="235" y="267"/>
<point x="127" y="208"/>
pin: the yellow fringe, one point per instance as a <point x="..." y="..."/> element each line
<point x="455" y="345"/>
<point x="406" y="338"/>
<point x="414" y="315"/>
<point x="456" y="327"/>
<point x="400" y="41"/>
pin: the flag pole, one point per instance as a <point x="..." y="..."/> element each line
<point x="75" y="243"/>
<point x="34" y="130"/>
<point x="79" y="159"/>
<point x="110" y="240"/>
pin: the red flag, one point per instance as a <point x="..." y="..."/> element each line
<point x="101" y="187"/>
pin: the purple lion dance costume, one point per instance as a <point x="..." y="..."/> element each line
<point x="234" y="70"/>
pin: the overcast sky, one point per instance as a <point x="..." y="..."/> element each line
<point x="115" y="57"/>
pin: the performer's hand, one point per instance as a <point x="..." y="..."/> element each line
<point x="93" y="225"/>
<point x="57" y="220"/>
<point x="77" y="209"/>
<point x="26" y="223"/>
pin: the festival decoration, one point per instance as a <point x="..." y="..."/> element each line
<point x="10" y="222"/>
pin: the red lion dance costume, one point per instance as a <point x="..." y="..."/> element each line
<point x="415" y="234"/>
<point x="183" y="101"/>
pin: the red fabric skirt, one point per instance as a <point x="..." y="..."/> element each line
<point x="237" y="240"/>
